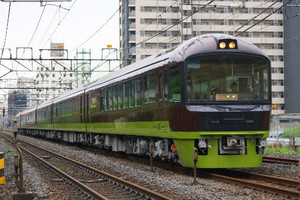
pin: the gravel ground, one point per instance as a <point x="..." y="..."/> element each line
<point x="171" y="184"/>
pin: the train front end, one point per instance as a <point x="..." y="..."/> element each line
<point x="226" y="114"/>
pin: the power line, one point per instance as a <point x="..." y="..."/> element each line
<point x="36" y="26"/>
<point x="158" y="15"/>
<point x="256" y="16"/>
<point x="162" y="31"/>
<point x="263" y="19"/>
<point x="6" y="30"/>
<point x="100" y="27"/>
<point x="49" y="27"/>
<point x="59" y="23"/>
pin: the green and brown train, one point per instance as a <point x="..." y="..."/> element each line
<point x="176" y="101"/>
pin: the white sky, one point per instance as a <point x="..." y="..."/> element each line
<point x="81" y="22"/>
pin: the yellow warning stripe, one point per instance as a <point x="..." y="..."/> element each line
<point x="2" y="163"/>
<point x="2" y="178"/>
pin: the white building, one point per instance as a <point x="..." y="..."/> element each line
<point x="150" y="26"/>
<point x="53" y="80"/>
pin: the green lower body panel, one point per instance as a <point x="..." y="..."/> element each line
<point x="185" y="149"/>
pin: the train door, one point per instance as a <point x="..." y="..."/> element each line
<point x="160" y="99"/>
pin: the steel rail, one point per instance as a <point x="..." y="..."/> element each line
<point x="277" y="190"/>
<point x="264" y="177"/>
<point x="288" y="161"/>
<point x="135" y="187"/>
<point x="70" y="178"/>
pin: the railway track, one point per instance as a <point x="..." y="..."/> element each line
<point x="286" y="161"/>
<point x="266" y="183"/>
<point x="272" y="184"/>
<point x="89" y="182"/>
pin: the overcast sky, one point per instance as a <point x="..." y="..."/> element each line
<point x="74" y="23"/>
<point x="83" y="19"/>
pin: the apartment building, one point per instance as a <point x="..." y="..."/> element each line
<point x="291" y="57"/>
<point x="53" y="80"/>
<point x="151" y="26"/>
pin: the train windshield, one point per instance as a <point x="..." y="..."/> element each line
<point x="227" y="77"/>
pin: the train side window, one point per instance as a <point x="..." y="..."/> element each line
<point x="174" y="84"/>
<point x="166" y="88"/>
<point x="115" y="97"/>
<point x="125" y="95"/>
<point x="110" y="98"/>
<point x="56" y="111"/>
<point x="107" y="97"/>
<point x="120" y="96"/>
<point x="149" y="88"/>
<point x="131" y="93"/>
<point x="103" y="99"/>
<point x="137" y="92"/>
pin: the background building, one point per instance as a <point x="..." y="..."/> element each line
<point x="148" y="27"/>
<point x="291" y="58"/>
<point x="17" y="101"/>
<point x="53" y="78"/>
<point x="23" y="96"/>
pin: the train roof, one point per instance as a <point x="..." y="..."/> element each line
<point x="69" y="94"/>
<point x="132" y="70"/>
<point x="44" y="104"/>
<point x="200" y="44"/>
<point x="28" y="110"/>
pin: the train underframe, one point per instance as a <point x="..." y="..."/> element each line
<point x="213" y="152"/>
<point x="161" y="148"/>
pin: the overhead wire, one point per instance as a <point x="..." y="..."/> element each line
<point x="171" y="26"/>
<point x="159" y="15"/>
<point x="263" y="19"/>
<point x="37" y="26"/>
<point x="48" y="27"/>
<point x="6" y="31"/>
<point x="59" y="23"/>
<point x="252" y="19"/>
<point x="100" y="27"/>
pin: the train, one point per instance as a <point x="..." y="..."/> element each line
<point x="170" y="106"/>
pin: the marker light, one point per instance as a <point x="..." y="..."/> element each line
<point x="232" y="45"/>
<point x="274" y="106"/>
<point x="227" y="44"/>
<point x="222" y="45"/>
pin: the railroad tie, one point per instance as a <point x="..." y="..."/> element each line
<point x="2" y="178"/>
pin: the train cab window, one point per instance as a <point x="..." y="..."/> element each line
<point x="149" y="88"/>
<point x="174" y="84"/>
<point x="227" y="77"/>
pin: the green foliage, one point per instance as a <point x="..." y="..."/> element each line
<point x="279" y="148"/>
<point x="290" y="132"/>
<point x="8" y="151"/>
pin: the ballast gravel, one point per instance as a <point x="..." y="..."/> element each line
<point x="173" y="185"/>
